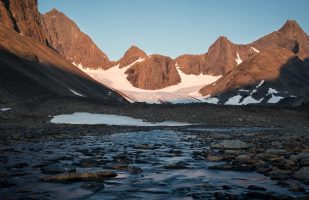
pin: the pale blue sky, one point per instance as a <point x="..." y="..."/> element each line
<point x="175" y="27"/>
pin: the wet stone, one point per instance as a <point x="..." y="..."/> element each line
<point x="280" y="174"/>
<point x="214" y="158"/>
<point x="293" y="185"/>
<point x="134" y="170"/>
<point x="302" y="174"/>
<point x="230" y="144"/>
<point x="93" y="186"/>
<point x="304" y="162"/>
<point x="84" y="176"/>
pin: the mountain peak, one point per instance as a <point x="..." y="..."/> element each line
<point x="53" y="11"/>
<point x="134" y="49"/>
<point x="223" y="40"/>
<point x="291" y="28"/>
<point x="131" y="55"/>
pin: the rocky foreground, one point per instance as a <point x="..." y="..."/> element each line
<point x="229" y="153"/>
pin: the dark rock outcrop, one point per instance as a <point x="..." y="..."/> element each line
<point x="155" y="72"/>
<point x="72" y="43"/>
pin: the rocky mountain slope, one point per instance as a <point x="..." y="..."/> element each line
<point x="30" y="69"/>
<point x="65" y="36"/>
<point x="271" y="69"/>
<point x="279" y="73"/>
<point x="241" y="67"/>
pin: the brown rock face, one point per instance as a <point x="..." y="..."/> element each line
<point x="23" y="16"/>
<point x="69" y="41"/>
<point x="192" y="64"/>
<point x="220" y="59"/>
<point x="5" y="17"/>
<point x="155" y="72"/>
<point x="279" y="66"/>
<point x="131" y="55"/>
<point x="290" y="36"/>
<point x="222" y="55"/>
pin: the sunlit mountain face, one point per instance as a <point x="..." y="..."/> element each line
<point x="229" y="123"/>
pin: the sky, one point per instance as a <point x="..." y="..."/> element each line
<point x="176" y="27"/>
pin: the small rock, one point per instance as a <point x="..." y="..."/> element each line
<point x="245" y="159"/>
<point x="280" y="174"/>
<point x="259" y="195"/>
<point x="277" y="152"/>
<point x="254" y="187"/>
<point x="134" y="170"/>
<point x="293" y="185"/>
<point x="232" y="152"/>
<point x="304" y="162"/>
<point x="230" y="144"/>
<point x="263" y="167"/>
<point x="214" y="158"/>
<point x="300" y="156"/>
<point x="302" y="174"/>
<point x="122" y="159"/>
<point x="289" y="164"/>
<point x="226" y="187"/>
<point x="85" y="176"/>
<point x="93" y="186"/>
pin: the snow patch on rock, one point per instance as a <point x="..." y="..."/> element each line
<point x="4" y="109"/>
<point x="76" y="93"/>
<point x="234" y="100"/>
<point x="238" y="59"/>
<point x="275" y="99"/>
<point x="254" y="49"/>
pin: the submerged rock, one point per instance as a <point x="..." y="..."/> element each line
<point x="53" y="169"/>
<point x="179" y="165"/>
<point x="85" y="176"/>
<point x="93" y="186"/>
<point x="254" y="187"/>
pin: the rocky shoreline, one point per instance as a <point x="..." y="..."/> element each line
<point x="272" y="142"/>
<point x="280" y="156"/>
